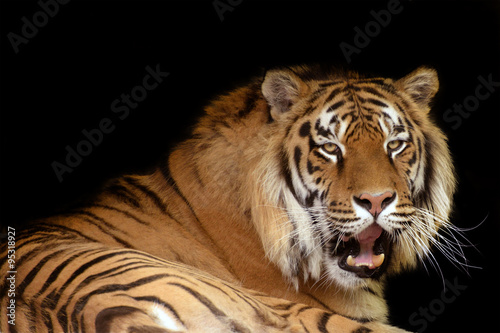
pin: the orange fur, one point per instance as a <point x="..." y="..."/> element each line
<point x="222" y="206"/>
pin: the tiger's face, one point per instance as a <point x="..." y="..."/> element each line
<point x="361" y="191"/>
<point x="354" y="162"/>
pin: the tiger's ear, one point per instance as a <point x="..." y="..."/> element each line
<point x="421" y="84"/>
<point x="282" y="88"/>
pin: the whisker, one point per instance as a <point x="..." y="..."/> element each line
<point x="443" y="236"/>
<point x="310" y="232"/>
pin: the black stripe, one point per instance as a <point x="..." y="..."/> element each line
<point x="359" y="99"/>
<point x="335" y="119"/>
<point x="353" y="134"/>
<point x="310" y="168"/>
<point x="353" y="114"/>
<point x="55" y="273"/>
<point x="116" y="271"/>
<point x="321" y="130"/>
<point x="4" y="283"/>
<point x="340" y="163"/>
<point x="330" y="83"/>
<point x="303" y="326"/>
<point x="250" y="102"/>
<point x="34" y="271"/>
<point x="156" y="300"/>
<point x="131" y="216"/>
<point x="362" y="329"/>
<point x="399" y="108"/>
<point x="304" y="308"/>
<point x="285" y="169"/>
<point x="310" y="198"/>
<point x="67" y="232"/>
<point x="218" y="289"/>
<point x="297" y="155"/>
<point x="282" y="307"/>
<point x="319" y="155"/>
<point x="140" y="257"/>
<point x="250" y="301"/>
<point x="344" y="220"/>
<point x="420" y="152"/>
<point x="371" y="291"/>
<point x="93" y="219"/>
<point x="305" y="129"/>
<point x="123" y="194"/>
<point x="373" y="91"/>
<point x="323" y="321"/>
<point x="334" y="94"/>
<point x="82" y="269"/>
<point x="42" y="235"/>
<point x="315" y="95"/>
<point x="335" y="106"/>
<point x="82" y="301"/>
<point x="165" y="171"/>
<point x="376" y="102"/>
<point x="159" y="203"/>
<point x="28" y="256"/>
<point x="204" y="300"/>
<point x="47" y="320"/>
<point x="320" y="302"/>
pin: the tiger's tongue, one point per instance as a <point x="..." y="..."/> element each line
<point x="366" y="257"/>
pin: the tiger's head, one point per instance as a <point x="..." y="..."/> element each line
<point x="356" y="180"/>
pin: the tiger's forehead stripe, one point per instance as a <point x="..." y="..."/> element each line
<point x="378" y="89"/>
<point x="344" y="107"/>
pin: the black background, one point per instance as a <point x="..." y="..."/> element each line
<point x="66" y="77"/>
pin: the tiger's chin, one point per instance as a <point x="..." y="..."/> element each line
<point x="354" y="262"/>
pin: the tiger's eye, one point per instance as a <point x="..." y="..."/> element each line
<point x="330" y="148"/>
<point x="394" y="144"/>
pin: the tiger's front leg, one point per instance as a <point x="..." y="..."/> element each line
<point x="87" y="287"/>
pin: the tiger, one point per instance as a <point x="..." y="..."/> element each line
<point x="293" y="200"/>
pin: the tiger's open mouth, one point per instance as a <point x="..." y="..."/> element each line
<point x="366" y="254"/>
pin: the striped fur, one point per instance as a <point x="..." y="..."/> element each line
<point x="77" y="286"/>
<point x="247" y="226"/>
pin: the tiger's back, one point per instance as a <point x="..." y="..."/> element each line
<point x="238" y="231"/>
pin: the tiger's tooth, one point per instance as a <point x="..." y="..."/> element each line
<point x="378" y="260"/>
<point x="351" y="261"/>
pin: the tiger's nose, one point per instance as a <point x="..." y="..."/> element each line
<point x="375" y="204"/>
